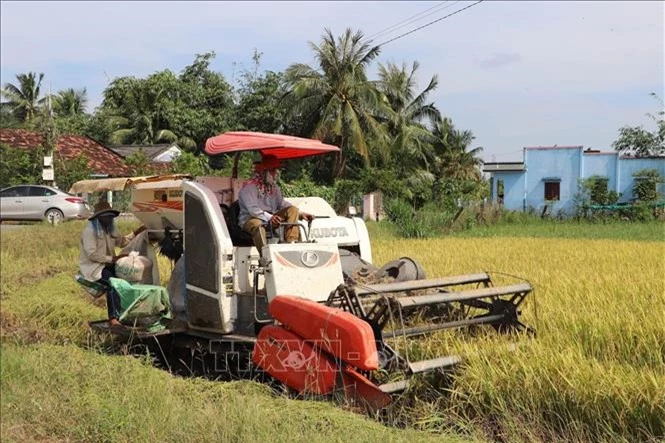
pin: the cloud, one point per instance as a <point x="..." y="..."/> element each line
<point x="501" y="59"/>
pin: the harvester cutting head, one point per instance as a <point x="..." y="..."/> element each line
<point x="421" y="307"/>
<point x="355" y="334"/>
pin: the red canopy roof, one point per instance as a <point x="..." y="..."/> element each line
<point x="281" y="146"/>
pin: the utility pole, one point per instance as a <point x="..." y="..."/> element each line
<point x="52" y="127"/>
<point x="50" y="139"/>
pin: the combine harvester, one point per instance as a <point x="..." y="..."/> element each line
<point x="318" y="316"/>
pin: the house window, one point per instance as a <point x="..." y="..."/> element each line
<point x="552" y="190"/>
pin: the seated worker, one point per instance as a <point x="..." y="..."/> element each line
<point x="97" y="258"/>
<point x="261" y="202"/>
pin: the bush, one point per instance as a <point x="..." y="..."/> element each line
<point x="20" y="166"/>
<point x="645" y="186"/>
<point x="410" y="224"/>
<point x="305" y="187"/>
<point x="638" y="212"/>
<point x="346" y="192"/>
<point x="450" y="194"/>
<point x="24" y="166"/>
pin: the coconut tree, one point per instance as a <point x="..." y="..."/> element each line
<point x="453" y="156"/>
<point x="70" y="102"/>
<point x="138" y="115"/>
<point x="335" y="101"/>
<point x="23" y="98"/>
<point x="407" y="124"/>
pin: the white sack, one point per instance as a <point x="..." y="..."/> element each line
<point x="134" y="268"/>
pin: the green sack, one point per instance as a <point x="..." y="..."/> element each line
<point x="149" y="303"/>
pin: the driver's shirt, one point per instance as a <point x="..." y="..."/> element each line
<point x="252" y="205"/>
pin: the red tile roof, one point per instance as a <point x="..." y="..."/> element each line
<point x="101" y="159"/>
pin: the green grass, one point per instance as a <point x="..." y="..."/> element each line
<point x="67" y="393"/>
<point x="617" y="230"/>
<point x="641" y="231"/>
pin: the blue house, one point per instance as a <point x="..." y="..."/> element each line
<point x="547" y="178"/>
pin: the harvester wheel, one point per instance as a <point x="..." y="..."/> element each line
<point x="509" y="310"/>
<point x="404" y="269"/>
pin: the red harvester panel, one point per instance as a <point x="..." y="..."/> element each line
<point x="340" y="333"/>
<point x="363" y="391"/>
<point x="294" y="362"/>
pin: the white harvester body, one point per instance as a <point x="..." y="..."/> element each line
<point x="311" y="268"/>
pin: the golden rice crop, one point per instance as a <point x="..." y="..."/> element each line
<point x="595" y="371"/>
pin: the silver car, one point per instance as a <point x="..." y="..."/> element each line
<point x="37" y="202"/>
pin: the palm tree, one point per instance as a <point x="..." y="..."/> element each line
<point x="453" y="158"/>
<point x="23" y="98"/>
<point x="139" y="120"/>
<point x="336" y="102"/>
<point x="411" y="112"/>
<point x="399" y="86"/>
<point x="70" y="102"/>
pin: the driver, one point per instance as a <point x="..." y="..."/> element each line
<point x="261" y="202"/>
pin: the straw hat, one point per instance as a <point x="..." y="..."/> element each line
<point x="103" y="208"/>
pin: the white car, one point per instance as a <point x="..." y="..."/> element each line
<point x="38" y="202"/>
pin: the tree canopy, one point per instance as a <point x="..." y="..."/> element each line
<point x="640" y="142"/>
<point x="392" y="136"/>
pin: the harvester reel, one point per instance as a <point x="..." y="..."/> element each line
<point x="403" y="309"/>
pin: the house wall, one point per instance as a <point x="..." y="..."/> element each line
<point x="563" y="163"/>
<point x="603" y="165"/>
<point x="513" y="189"/>
<point x="628" y="166"/>
<point x="527" y="189"/>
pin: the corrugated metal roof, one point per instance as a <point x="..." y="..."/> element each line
<point x="552" y="147"/>
<point x="151" y="151"/>
<point x="503" y="167"/>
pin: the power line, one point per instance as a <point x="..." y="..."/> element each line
<point x="430" y="23"/>
<point x="402" y="35"/>
<point x="413" y="18"/>
<point x="424" y="16"/>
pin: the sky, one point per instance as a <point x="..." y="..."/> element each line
<point x="515" y="73"/>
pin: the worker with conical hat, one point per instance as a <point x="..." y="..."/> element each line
<point x="97" y="258"/>
<point x="262" y="203"/>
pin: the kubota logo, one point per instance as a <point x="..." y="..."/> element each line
<point x="309" y="259"/>
<point x="328" y="232"/>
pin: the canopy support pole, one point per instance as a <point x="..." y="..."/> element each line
<point x="234" y="172"/>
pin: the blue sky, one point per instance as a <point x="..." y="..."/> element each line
<point x="515" y="73"/>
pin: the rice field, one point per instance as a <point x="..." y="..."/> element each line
<point x="596" y="369"/>
<point x="594" y="372"/>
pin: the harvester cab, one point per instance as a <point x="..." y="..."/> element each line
<point x="317" y="314"/>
